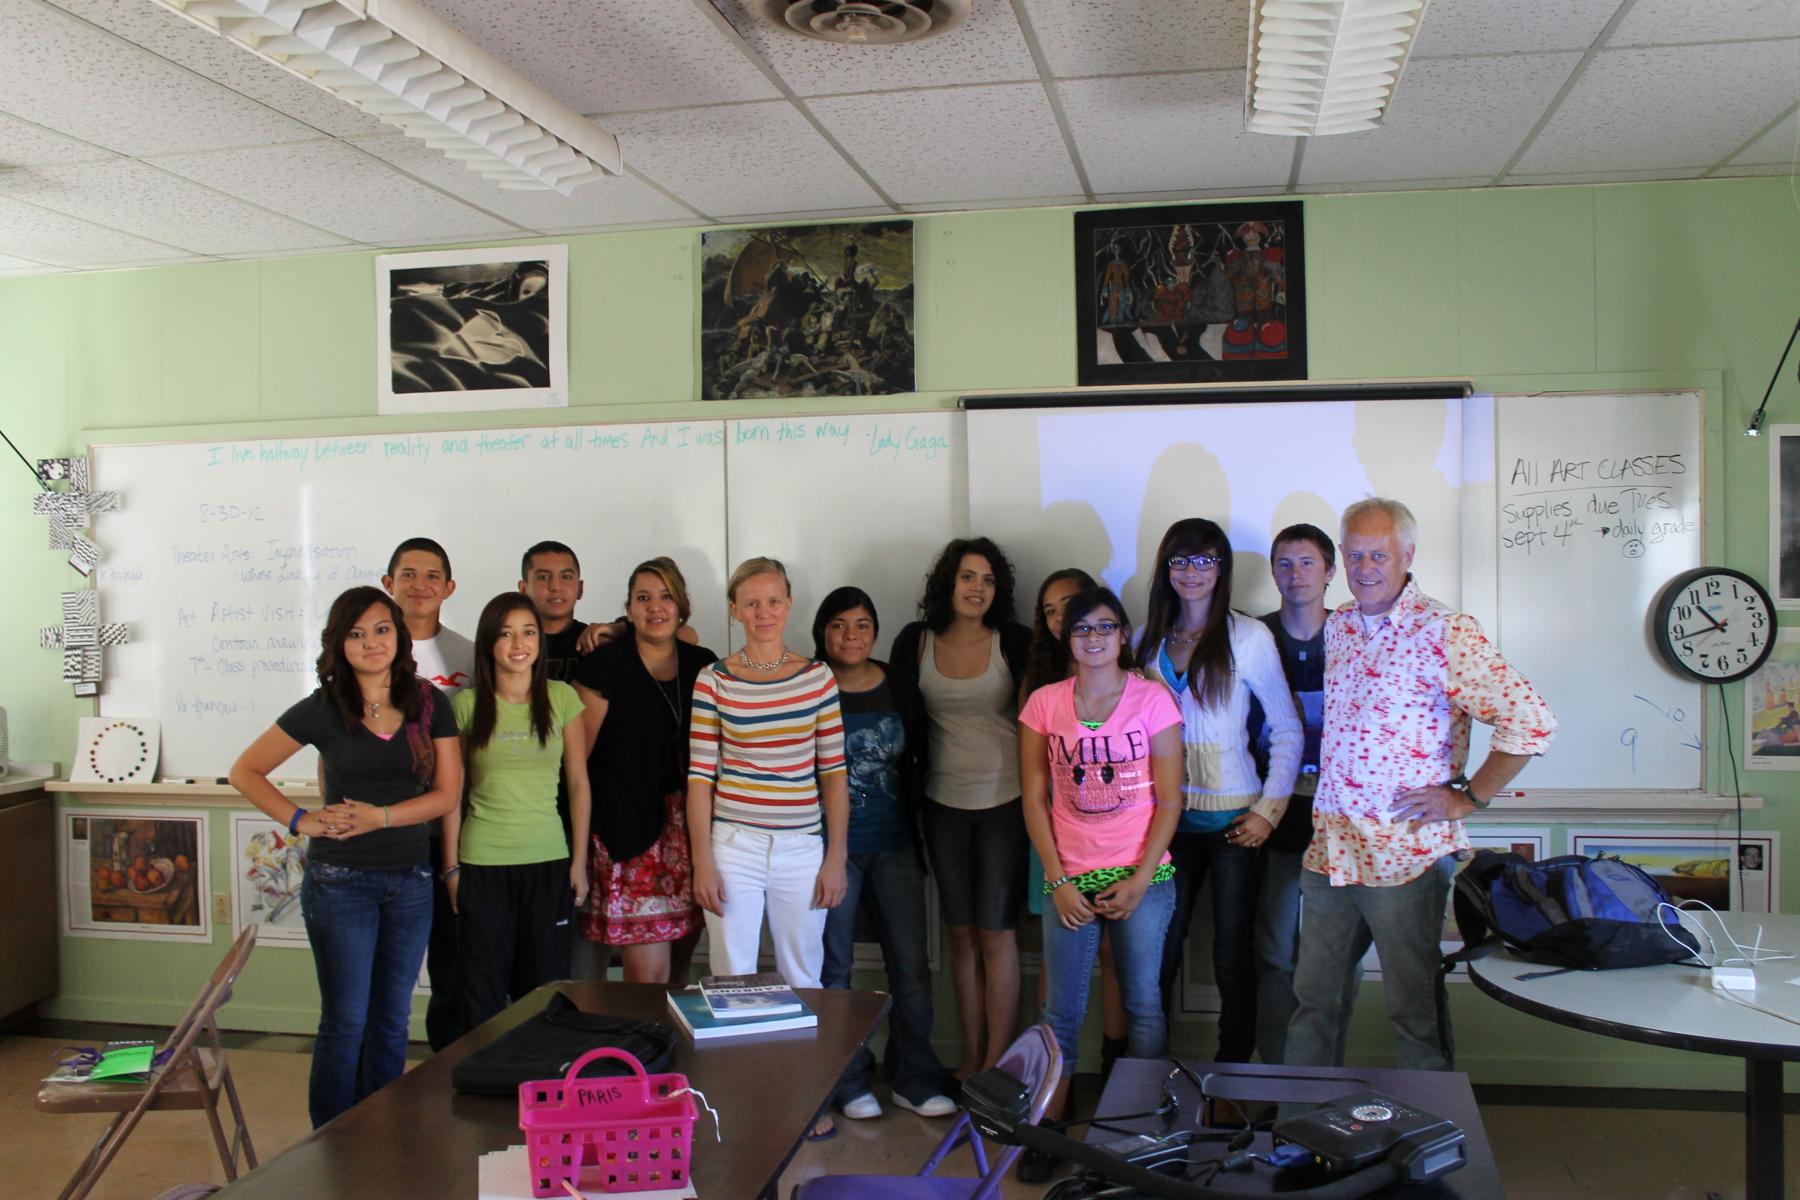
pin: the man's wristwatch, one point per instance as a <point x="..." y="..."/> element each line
<point x="1461" y="784"/>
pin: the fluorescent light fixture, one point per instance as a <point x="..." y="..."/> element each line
<point x="395" y="60"/>
<point x="1326" y="66"/>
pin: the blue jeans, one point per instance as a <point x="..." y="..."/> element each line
<point x="1137" y="943"/>
<point x="891" y="887"/>
<point x="1405" y="923"/>
<point x="368" y="931"/>
<point x="1236" y="873"/>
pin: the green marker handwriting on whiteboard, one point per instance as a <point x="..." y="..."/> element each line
<point x="887" y="441"/>
<point x="407" y="447"/>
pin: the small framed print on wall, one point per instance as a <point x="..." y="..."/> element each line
<point x="1198" y="293"/>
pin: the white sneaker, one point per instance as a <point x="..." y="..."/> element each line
<point x="865" y="1107"/>
<point x="932" y="1106"/>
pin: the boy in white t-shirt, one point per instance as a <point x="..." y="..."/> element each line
<point x="418" y="578"/>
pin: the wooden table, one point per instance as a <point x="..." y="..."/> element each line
<point x="418" y="1137"/>
<point x="1677" y="1006"/>
<point x="1136" y="1086"/>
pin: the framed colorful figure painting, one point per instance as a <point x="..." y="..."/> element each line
<point x="1199" y="293"/>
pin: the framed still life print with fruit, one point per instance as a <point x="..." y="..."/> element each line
<point x="1195" y="293"/>
<point x="135" y="874"/>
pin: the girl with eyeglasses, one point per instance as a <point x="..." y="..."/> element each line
<point x="1214" y="660"/>
<point x="1100" y="765"/>
<point x="1049" y="662"/>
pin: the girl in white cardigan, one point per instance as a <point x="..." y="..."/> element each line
<point x="1214" y="660"/>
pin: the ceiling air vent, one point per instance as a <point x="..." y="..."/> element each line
<point x="865" y="22"/>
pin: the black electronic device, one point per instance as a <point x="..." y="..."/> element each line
<point x="998" y="1103"/>
<point x="1360" y="1130"/>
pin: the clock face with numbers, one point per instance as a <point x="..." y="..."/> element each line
<point x="1714" y="624"/>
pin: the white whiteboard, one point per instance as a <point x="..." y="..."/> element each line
<point x="1597" y="506"/>
<point x="1097" y="487"/>
<point x="226" y="556"/>
<point x="866" y="499"/>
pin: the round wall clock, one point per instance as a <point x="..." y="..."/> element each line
<point x="1714" y="624"/>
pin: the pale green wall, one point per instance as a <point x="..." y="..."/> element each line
<point x="1650" y="285"/>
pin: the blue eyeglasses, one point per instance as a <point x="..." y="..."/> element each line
<point x="1097" y="629"/>
<point x="1180" y="563"/>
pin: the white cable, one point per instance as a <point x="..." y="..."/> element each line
<point x="1750" y="955"/>
<point x="1733" y="996"/>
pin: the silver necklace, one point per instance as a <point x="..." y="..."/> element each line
<point x="744" y="657"/>
<point x="374" y="706"/>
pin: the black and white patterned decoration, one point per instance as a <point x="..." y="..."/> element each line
<point x="72" y="511"/>
<point x="81" y="638"/>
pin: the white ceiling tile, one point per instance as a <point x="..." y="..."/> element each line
<point x="1397" y="185"/>
<point x="139" y="199"/>
<point x="1450" y="117"/>
<point x="1779" y="145"/>
<point x="1553" y="180"/>
<point x="10" y="264"/>
<point x="1511" y="26"/>
<point x="333" y="186"/>
<point x="23" y="144"/>
<point x="70" y="76"/>
<point x="1673" y="107"/>
<point x="1171" y="132"/>
<point x="178" y="39"/>
<point x="611" y="200"/>
<point x="29" y="232"/>
<point x="1080" y="37"/>
<point x="995" y="142"/>
<point x="742" y="158"/>
<point x="986" y="48"/>
<point x="1706" y="21"/>
<point x="947" y="206"/>
<point x="613" y="55"/>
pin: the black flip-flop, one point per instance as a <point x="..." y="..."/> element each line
<point x="813" y="1134"/>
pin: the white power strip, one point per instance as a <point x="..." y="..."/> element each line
<point x="1734" y="979"/>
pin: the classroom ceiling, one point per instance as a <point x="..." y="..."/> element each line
<point x="129" y="137"/>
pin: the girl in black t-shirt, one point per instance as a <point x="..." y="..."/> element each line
<point x="391" y="765"/>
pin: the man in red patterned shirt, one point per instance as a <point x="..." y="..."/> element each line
<point x="1404" y="676"/>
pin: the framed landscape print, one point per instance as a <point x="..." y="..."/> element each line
<point x="1200" y="293"/>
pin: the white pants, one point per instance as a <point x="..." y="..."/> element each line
<point x="776" y="872"/>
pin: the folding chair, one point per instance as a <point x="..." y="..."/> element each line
<point x="1034" y="1061"/>
<point x="194" y="1076"/>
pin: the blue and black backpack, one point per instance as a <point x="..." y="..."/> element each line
<point x="1589" y="914"/>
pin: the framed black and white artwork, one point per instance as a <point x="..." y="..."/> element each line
<point x="467" y="330"/>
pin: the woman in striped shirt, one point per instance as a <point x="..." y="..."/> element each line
<point x="765" y="779"/>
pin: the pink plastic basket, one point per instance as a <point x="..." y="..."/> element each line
<point x="635" y="1129"/>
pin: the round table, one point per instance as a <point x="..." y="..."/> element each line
<point x="1678" y="1006"/>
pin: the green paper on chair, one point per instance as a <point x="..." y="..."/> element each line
<point x="128" y="1064"/>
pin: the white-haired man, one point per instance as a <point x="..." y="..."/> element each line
<point x="1404" y="676"/>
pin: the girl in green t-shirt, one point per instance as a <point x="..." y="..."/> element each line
<point x="508" y="867"/>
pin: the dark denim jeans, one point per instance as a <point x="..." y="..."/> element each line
<point x="368" y="931"/>
<point x="1236" y="873"/>
<point x="891" y="885"/>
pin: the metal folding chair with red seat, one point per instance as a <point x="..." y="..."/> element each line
<point x="194" y="1076"/>
<point x="1035" y="1062"/>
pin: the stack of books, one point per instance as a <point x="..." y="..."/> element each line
<point x="727" y="1006"/>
